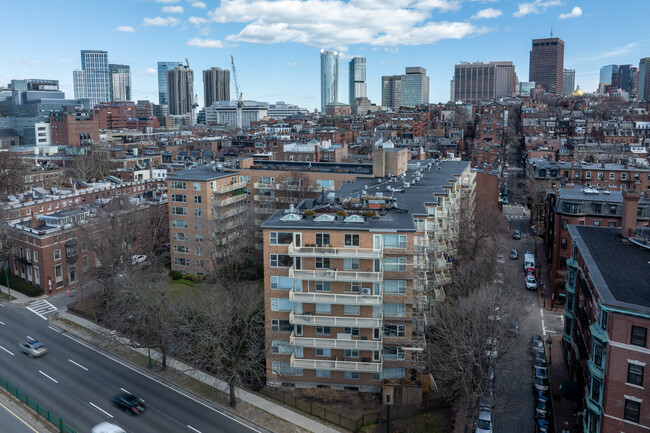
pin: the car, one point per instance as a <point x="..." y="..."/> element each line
<point x="107" y="427"/>
<point x="531" y="283"/>
<point x="514" y="255"/>
<point x="32" y="348"/>
<point x="504" y="199"/>
<point x="484" y="421"/>
<point x="541" y="410"/>
<point x="542" y="426"/>
<point x="530" y="272"/>
<point x="130" y="404"/>
<point x="540" y="385"/>
<point x="501" y="258"/>
<point x="513" y="326"/>
<point x="140" y="258"/>
<point x="516" y="235"/>
<point x="540" y="361"/>
<point x="541" y="372"/>
<point x="538" y="345"/>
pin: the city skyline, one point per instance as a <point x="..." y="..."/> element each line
<point x="278" y="60"/>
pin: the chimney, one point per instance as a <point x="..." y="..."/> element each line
<point x="630" y="206"/>
<point x="602" y="164"/>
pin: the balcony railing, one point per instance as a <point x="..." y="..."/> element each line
<point x="258" y="185"/>
<point x="336" y="321"/>
<point x="335" y="298"/>
<point x="231" y="200"/>
<point x="335" y="275"/>
<point x="327" y="364"/>
<point x="229" y="188"/>
<point x="314" y="251"/>
<point x="333" y="343"/>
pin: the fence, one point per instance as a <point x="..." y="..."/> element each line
<point x="56" y="421"/>
<point x="349" y="424"/>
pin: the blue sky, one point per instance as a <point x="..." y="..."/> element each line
<point x="276" y="44"/>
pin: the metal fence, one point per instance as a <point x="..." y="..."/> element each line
<point x="44" y="413"/>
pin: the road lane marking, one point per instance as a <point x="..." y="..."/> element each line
<point x="125" y="390"/>
<point x="19" y="418"/>
<point x="2" y="323"/>
<point x="10" y="353"/>
<point x="78" y="365"/>
<point x="100" y="409"/>
<point x="30" y="338"/>
<point x="192" y="428"/>
<point x="53" y="380"/>
<point x="54" y="329"/>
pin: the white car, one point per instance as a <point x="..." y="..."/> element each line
<point x="107" y="427"/>
<point x="484" y="422"/>
<point x="531" y="283"/>
<point x="140" y="258"/>
<point x="32" y="348"/>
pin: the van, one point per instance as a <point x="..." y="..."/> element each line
<point x="529" y="260"/>
<point x="107" y="427"/>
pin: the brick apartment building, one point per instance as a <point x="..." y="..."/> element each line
<point x="348" y="276"/>
<point x="72" y="127"/>
<point x="123" y="115"/>
<point x="607" y="317"/>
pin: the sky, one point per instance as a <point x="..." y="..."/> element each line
<point x="276" y="44"/>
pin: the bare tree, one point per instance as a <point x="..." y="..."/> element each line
<point x="86" y="167"/>
<point x="293" y="188"/>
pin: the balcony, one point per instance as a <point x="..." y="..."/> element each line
<point x="258" y="185"/>
<point x="230" y="200"/>
<point x="335" y="321"/>
<point x="334" y="298"/>
<point x="350" y="252"/>
<point x="327" y="364"/>
<point x="229" y="188"/>
<point x="335" y="275"/>
<point x="264" y="198"/>
<point x="333" y="343"/>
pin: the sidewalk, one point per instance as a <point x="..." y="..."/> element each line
<point x="19" y="298"/>
<point x="243" y="395"/>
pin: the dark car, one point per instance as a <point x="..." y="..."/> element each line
<point x="516" y="235"/>
<point x="540" y="385"/>
<point x="129" y="403"/>
<point x="540" y="361"/>
<point x="542" y="426"/>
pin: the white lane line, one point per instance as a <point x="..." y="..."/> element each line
<point x="159" y="382"/>
<point x="125" y="390"/>
<point x="541" y="313"/>
<point x="193" y="429"/>
<point x="2" y="323"/>
<point x="100" y="409"/>
<point x="78" y="365"/>
<point x="38" y="314"/>
<point x="30" y="338"/>
<point x="54" y="329"/>
<point x="6" y="351"/>
<point x="53" y="380"/>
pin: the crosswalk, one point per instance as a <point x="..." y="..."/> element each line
<point x="41" y="308"/>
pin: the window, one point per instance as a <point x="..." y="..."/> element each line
<point x="196" y="186"/>
<point x="177" y="184"/>
<point x="603" y="319"/>
<point x="322" y="239"/>
<point x="180" y="236"/>
<point x="281" y="347"/>
<point x="632" y="410"/>
<point x="84" y="263"/>
<point x="349" y="353"/>
<point x="395" y="286"/>
<point x="285" y="368"/>
<point x="324" y="308"/>
<point x="395" y="310"/>
<point x="198" y="238"/>
<point x="597" y="223"/>
<point x="395" y="330"/>
<point x="393" y="353"/>
<point x="635" y="374"/>
<point x="35" y="256"/>
<point x="395" y="264"/>
<point x="197" y="199"/>
<point x="638" y="337"/>
<point x="322" y="263"/>
<point x="351" y="374"/>
<point x="595" y="389"/>
<point x="563" y="243"/>
<point x="280" y="238"/>
<point x="599" y="355"/>
<point x="179" y="198"/>
<point x="199" y="251"/>
<point x="323" y="373"/>
<point x="351" y="240"/>
<point x="281" y="304"/>
<point x="197" y="213"/>
<point x="351" y="310"/>
<point x="352" y="287"/>
<point x="598" y="208"/>
<point x="324" y="183"/>
<point x="623" y="176"/>
<point x="587" y="175"/>
<point x="323" y="352"/>
<point x="568" y="326"/>
<point x="569" y="302"/>
<point x="395" y="241"/>
<point x="181" y="261"/>
<point x="181" y="249"/>
<point x="352" y="331"/>
<point x="58" y="273"/>
<point x="281" y="261"/>
<point x="179" y="210"/>
<point x="57" y="254"/>
<point x="323" y="330"/>
<point x="564" y="224"/>
<point x="323" y="286"/>
<point x="351" y="264"/>
<point x="612" y="176"/>
<point x="198" y="225"/>
<point x="278" y="325"/>
<point x="612" y="224"/>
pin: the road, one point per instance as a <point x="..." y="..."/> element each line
<point x="15" y="418"/>
<point x="77" y="382"/>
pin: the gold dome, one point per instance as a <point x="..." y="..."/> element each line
<point x="578" y="92"/>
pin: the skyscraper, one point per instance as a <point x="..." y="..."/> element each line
<point x="93" y="81"/>
<point x="391" y="91"/>
<point x="626" y="78"/>
<point x="163" y="67"/>
<point x="477" y="82"/>
<point x="120" y="82"/>
<point x="216" y="86"/>
<point x="568" y="81"/>
<point x="606" y="73"/>
<point x="357" y="74"/>
<point x="644" y="79"/>
<point x="415" y="87"/>
<point x="329" y="78"/>
<point x="547" y="63"/>
<point x="180" y="90"/>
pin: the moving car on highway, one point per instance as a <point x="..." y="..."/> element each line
<point x="130" y="404"/>
<point x="32" y="348"/>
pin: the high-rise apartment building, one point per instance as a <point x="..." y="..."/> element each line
<point x="93" y="80"/>
<point x="568" y="81"/>
<point x="643" y="79"/>
<point x="626" y="77"/>
<point x="329" y="78"/>
<point x="478" y="82"/>
<point x="357" y="75"/>
<point x="547" y="64"/>
<point x="180" y="90"/>
<point x="120" y="82"/>
<point x="406" y="90"/>
<point x="163" y="67"/>
<point x="216" y="86"/>
<point x="391" y="91"/>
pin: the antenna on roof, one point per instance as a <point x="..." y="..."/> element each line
<point x="551" y="31"/>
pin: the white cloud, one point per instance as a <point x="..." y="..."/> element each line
<point x="487" y="13"/>
<point x="338" y="23"/>
<point x="160" y="22"/>
<point x="197" y="21"/>
<point x="205" y="43"/>
<point x="575" y="13"/>
<point x="150" y="71"/>
<point x="125" y="29"/>
<point x="27" y="62"/>
<point x="166" y="1"/>
<point x="173" y="9"/>
<point x="199" y="5"/>
<point x="535" y="7"/>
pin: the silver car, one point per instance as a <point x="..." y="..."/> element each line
<point x="32" y="348"/>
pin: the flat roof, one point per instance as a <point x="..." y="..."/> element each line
<point x="202" y="173"/>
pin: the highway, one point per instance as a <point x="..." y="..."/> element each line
<point x="77" y="381"/>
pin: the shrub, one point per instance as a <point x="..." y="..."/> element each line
<point x="190" y="277"/>
<point x="368" y="214"/>
<point x="176" y="275"/>
<point x="341" y="213"/>
<point x="20" y="285"/>
<point x="309" y="212"/>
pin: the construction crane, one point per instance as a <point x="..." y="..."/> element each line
<point x="187" y="63"/>
<point x="240" y="96"/>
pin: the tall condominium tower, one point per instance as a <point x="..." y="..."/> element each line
<point x="329" y="78"/>
<point x="477" y="82"/>
<point x="568" y="81"/>
<point x="120" y="82"/>
<point x="180" y="90"/>
<point x="163" y="67"/>
<point x="547" y="63"/>
<point x="216" y="86"/>
<point x="415" y="87"/>
<point x="93" y="81"/>
<point x="644" y="79"/>
<point x="391" y="91"/>
<point x="357" y="79"/>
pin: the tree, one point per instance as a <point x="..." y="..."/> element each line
<point x="86" y="167"/>
<point x="293" y="188"/>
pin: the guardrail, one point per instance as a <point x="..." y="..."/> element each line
<point x="44" y="413"/>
